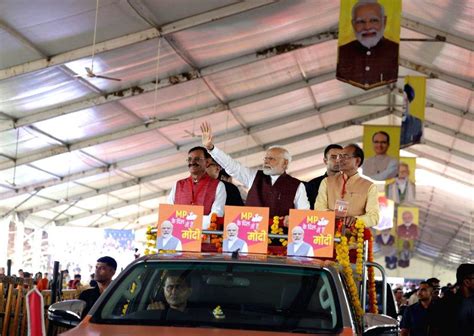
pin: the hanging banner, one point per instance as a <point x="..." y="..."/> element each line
<point x="387" y="211"/>
<point x="245" y="229"/>
<point x="381" y="149"/>
<point x="414" y="98"/>
<point x="402" y="189"/>
<point x="368" y="45"/>
<point x="407" y="220"/>
<point x="311" y="233"/>
<point x="179" y="227"/>
<point x="386" y="242"/>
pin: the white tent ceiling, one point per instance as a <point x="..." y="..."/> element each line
<point x="82" y="151"/>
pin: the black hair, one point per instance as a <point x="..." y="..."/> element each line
<point x="426" y="283"/>
<point x="328" y="148"/>
<point x="410" y="92"/>
<point x="109" y="261"/>
<point x="383" y="133"/>
<point x="358" y="152"/>
<point x="184" y="276"/>
<point x="204" y="150"/>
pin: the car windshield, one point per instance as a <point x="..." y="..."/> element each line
<point x="224" y="295"/>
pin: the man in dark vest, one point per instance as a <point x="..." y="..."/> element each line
<point x="199" y="188"/>
<point x="269" y="187"/>
<point x="233" y="194"/>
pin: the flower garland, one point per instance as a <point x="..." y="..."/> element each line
<point x="373" y="308"/>
<point x="150" y="240"/>
<point x="215" y="239"/>
<point x="342" y="256"/>
<point x="276" y="229"/>
<point x="359" y="226"/>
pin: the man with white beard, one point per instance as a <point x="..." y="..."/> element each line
<point x="370" y="60"/>
<point x="167" y="241"/>
<point x="233" y="242"/>
<point x="268" y="187"/>
<point x="298" y="247"/>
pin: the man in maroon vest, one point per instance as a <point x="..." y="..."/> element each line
<point x="269" y="187"/>
<point x="199" y="188"/>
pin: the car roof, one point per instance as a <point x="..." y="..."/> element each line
<point x="241" y="258"/>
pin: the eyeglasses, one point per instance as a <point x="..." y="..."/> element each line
<point x="345" y="156"/>
<point x="190" y="160"/>
<point x="362" y="22"/>
<point x="380" y="142"/>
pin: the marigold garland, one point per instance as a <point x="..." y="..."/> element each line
<point x="150" y="240"/>
<point x="373" y="308"/>
<point x="359" y="226"/>
<point x="276" y="229"/>
<point x="215" y="239"/>
<point x="342" y="256"/>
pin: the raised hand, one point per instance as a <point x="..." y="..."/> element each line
<point x="207" y="135"/>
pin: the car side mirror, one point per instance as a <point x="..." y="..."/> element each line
<point x="376" y="324"/>
<point x="66" y="313"/>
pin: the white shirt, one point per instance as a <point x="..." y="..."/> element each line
<point x="246" y="176"/>
<point x="179" y="247"/>
<point x="245" y="248"/>
<point x="296" y="246"/>
<point x="217" y="206"/>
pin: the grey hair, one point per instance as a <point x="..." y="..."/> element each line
<point x="286" y="154"/>
<point x="368" y="2"/>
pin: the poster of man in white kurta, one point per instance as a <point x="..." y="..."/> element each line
<point x="233" y="242"/>
<point x="298" y="247"/>
<point x="167" y="241"/>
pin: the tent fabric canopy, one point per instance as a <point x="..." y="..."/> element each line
<point x="83" y="151"/>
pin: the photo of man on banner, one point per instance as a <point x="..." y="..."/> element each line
<point x="382" y="150"/>
<point x="369" y="37"/>
<point x="402" y="189"/>
<point x="414" y="100"/>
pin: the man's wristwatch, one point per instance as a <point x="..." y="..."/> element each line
<point x="210" y="149"/>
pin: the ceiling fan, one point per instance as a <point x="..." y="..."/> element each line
<point x="90" y="73"/>
<point x="90" y="70"/>
<point x="191" y="134"/>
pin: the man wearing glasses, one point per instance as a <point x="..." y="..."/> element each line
<point x="355" y="196"/>
<point x="381" y="166"/>
<point x="268" y="187"/>
<point x="199" y="188"/>
<point x="370" y="60"/>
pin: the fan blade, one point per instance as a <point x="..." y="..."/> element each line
<point x="110" y="78"/>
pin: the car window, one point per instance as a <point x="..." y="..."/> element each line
<point x="224" y="295"/>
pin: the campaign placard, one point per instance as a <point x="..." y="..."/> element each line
<point x="245" y="229"/>
<point x="311" y="233"/>
<point x="179" y="227"/>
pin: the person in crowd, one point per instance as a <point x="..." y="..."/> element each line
<point x="2" y="270"/>
<point x="360" y="194"/>
<point x="21" y="274"/>
<point x="167" y="241"/>
<point x="298" y="247"/>
<point x="370" y="59"/>
<point x="268" y="187"/>
<point x="381" y="166"/>
<point x="332" y="168"/>
<point x="416" y="318"/>
<point x="435" y="283"/>
<point x="177" y="290"/>
<point x="399" y="298"/>
<point x="92" y="282"/>
<point x="454" y="314"/>
<point x="75" y="283"/>
<point x="407" y="230"/>
<point x="233" y="242"/>
<point x="199" y="188"/>
<point x="401" y="190"/>
<point x="233" y="194"/>
<point x="104" y="272"/>
<point x="43" y="282"/>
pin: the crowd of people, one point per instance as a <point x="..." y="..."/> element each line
<point x="431" y="310"/>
